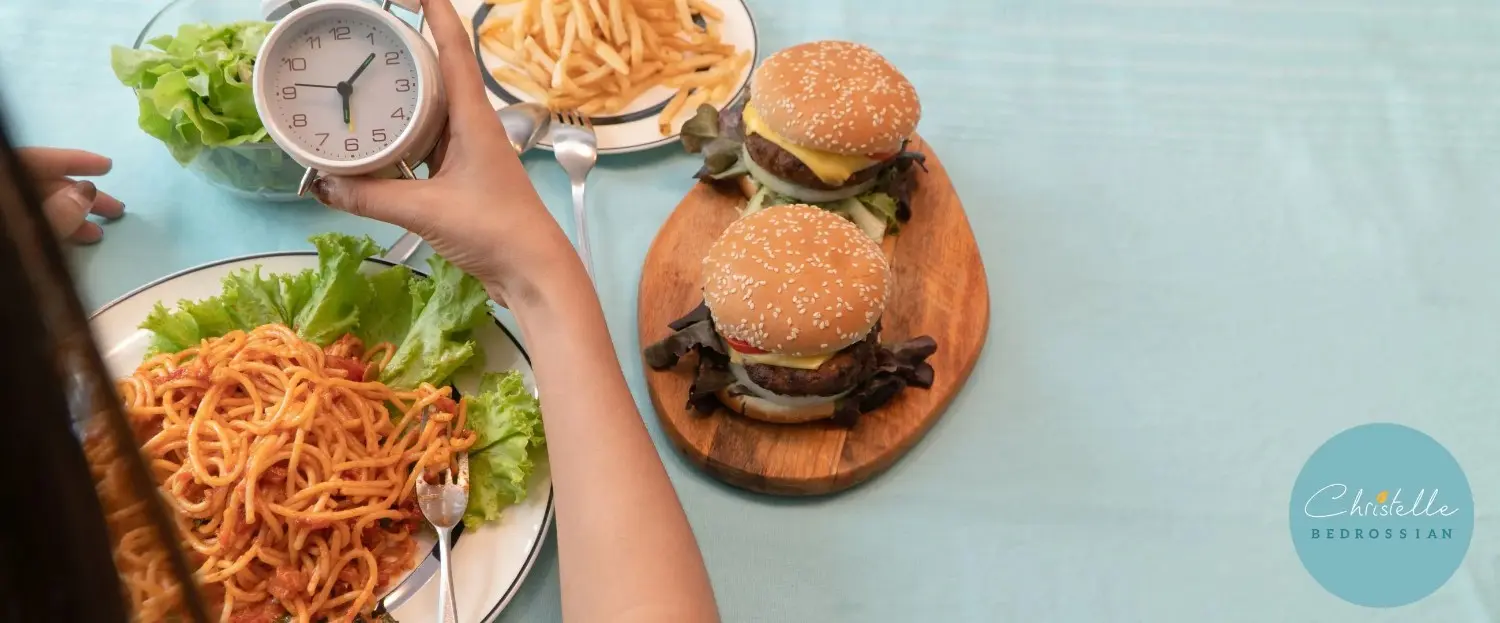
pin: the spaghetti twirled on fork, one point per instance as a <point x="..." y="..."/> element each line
<point x="290" y="472"/>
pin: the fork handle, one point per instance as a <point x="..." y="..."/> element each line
<point x="447" y="603"/>
<point x="580" y="221"/>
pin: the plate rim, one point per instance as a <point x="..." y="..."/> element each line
<point x="547" y="516"/>
<point x="546" y="144"/>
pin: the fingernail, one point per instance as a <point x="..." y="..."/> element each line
<point x="320" y="190"/>
<point x="84" y="193"/>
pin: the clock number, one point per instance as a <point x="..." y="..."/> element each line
<point x="403" y="85"/>
<point x="351" y="144"/>
<point x="378" y="135"/>
<point x="399" y="114"/>
<point x="371" y="37"/>
<point x="315" y="43"/>
<point x="325" y="138"/>
<point x="340" y="33"/>
<point x="299" y="120"/>
<point x="295" y="63"/>
<point x="288" y="93"/>
<point x="393" y="58"/>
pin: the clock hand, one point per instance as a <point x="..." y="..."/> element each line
<point x="346" y="91"/>
<point x="319" y="86"/>
<point x="361" y="69"/>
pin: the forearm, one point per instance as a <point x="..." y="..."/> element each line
<point x="626" y="549"/>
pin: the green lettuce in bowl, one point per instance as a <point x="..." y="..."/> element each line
<point x="194" y="94"/>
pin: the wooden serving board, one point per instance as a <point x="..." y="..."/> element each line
<point x="940" y="290"/>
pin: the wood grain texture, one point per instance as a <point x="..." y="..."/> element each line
<point x="940" y="290"/>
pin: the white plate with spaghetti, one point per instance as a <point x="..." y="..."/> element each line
<point x="490" y="561"/>
<point x="646" y="70"/>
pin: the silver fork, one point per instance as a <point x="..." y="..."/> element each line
<point x="443" y="505"/>
<point x="577" y="150"/>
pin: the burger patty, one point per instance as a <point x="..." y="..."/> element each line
<point x="783" y="164"/>
<point x="842" y="372"/>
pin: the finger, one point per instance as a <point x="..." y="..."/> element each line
<point x="466" y="98"/>
<point x="388" y="200"/>
<point x="67" y="207"/>
<point x="87" y="233"/>
<point x="439" y="155"/>
<point x="46" y="162"/>
<point x="107" y="206"/>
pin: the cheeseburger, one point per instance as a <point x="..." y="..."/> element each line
<point x="789" y="329"/>
<point x="825" y="123"/>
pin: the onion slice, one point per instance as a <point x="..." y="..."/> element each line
<point x="802" y="193"/>
<point x="785" y="401"/>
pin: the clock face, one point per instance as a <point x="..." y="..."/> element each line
<point x="342" y="86"/>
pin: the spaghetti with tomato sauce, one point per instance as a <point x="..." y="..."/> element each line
<point x="291" y="471"/>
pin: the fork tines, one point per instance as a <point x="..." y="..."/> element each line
<point x="571" y="116"/>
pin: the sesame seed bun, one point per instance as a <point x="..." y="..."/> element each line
<point x="795" y="280"/>
<point x="836" y="96"/>
<point x="767" y="411"/>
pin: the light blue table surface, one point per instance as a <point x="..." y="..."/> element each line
<point x="1216" y="234"/>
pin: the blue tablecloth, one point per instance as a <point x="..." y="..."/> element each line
<point x="1217" y="232"/>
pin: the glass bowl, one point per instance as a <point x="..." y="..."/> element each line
<point x="259" y="171"/>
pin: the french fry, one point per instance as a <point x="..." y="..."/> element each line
<point x="674" y="105"/>
<point x="685" y="16"/>
<point x="600" y="17"/>
<point x="585" y="22"/>
<point x="611" y="57"/>
<point x="652" y="41"/>
<point x="519" y="24"/>
<point x="499" y="49"/>
<point x="616" y="22"/>
<point x="591" y="108"/>
<point x="539" y="55"/>
<point x="560" y="70"/>
<point x="720" y="93"/>
<point x="537" y="73"/>
<point x="512" y="77"/>
<point x="645" y="70"/>
<point x="633" y="28"/>
<point x="492" y="25"/>
<point x="694" y="100"/>
<point x="594" y="76"/>
<point x="550" y="34"/>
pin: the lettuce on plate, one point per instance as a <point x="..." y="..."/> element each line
<point x="508" y="420"/>
<point x="194" y="89"/>
<point x="431" y="321"/>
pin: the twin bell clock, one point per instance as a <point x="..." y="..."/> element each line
<point x="346" y="87"/>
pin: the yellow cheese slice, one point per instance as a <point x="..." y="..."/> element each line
<point x="832" y="168"/>
<point x="810" y="362"/>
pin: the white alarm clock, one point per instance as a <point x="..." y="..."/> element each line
<point x="347" y="88"/>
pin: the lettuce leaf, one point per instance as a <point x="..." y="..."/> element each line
<point x="338" y="289"/>
<point x="390" y="294"/>
<point x="440" y="339"/>
<point x="194" y="89"/>
<point x="508" y="420"/>
<point x="320" y="304"/>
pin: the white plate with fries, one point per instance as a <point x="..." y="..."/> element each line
<point x="637" y="68"/>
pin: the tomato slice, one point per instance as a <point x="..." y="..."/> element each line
<point x="743" y="347"/>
